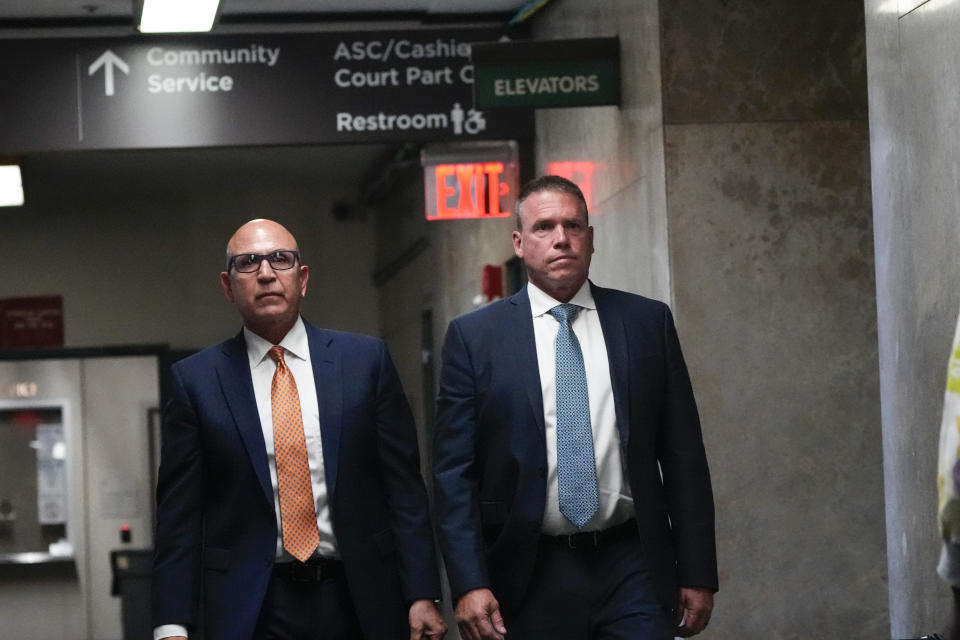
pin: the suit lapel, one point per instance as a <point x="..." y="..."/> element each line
<point x="615" y="339"/>
<point x="233" y="372"/>
<point x="523" y="350"/>
<point x="325" y="359"/>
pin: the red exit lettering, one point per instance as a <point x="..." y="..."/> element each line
<point x="470" y="190"/>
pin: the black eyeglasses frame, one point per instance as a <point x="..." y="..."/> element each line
<point x="231" y="262"/>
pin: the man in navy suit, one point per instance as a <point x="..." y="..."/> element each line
<point x="573" y="495"/>
<point x="346" y="553"/>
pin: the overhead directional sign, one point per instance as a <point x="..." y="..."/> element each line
<point x="108" y="61"/>
<point x="200" y="91"/>
<point x="549" y="73"/>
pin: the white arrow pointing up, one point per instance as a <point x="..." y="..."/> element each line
<point x="108" y="61"/>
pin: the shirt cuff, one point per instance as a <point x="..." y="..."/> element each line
<point x="168" y="631"/>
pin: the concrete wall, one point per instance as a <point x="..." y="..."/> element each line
<point x="134" y="241"/>
<point x="623" y="145"/>
<point x="914" y="139"/>
<point x="768" y="200"/>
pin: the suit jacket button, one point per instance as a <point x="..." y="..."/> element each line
<point x="543" y="472"/>
<point x="268" y="561"/>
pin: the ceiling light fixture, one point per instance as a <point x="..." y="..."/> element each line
<point x="176" y="16"/>
<point x="11" y="186"/>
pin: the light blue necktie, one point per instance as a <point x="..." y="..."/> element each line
<point x="576" y="467"/>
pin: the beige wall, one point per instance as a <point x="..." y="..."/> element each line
<point x="134" y="242"/>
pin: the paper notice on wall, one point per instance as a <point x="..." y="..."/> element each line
<point x="118" y="497"/>
<point x="51" y="474"/>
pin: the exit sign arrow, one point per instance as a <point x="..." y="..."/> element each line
<point x="108" y="61"/>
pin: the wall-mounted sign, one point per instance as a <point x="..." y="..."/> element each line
<point x="549" y="73"/>
<point x="31" y="322"/>
<point x="476" y="180"/>
<point x="256" y="89"/>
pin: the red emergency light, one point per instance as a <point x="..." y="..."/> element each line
<point x="580" y="172"/>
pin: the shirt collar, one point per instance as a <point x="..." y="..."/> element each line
<point x="294" y="343"/>
<point x="540" y="302"/>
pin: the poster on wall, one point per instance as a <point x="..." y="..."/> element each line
<point x="51" y="474"/>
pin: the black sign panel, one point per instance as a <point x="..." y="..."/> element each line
<point x="551" y="73"/>
<point x="147" y="92"/>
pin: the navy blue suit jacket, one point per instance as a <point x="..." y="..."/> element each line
<point x="490" y="459"/>
<point x="216" y="523"/>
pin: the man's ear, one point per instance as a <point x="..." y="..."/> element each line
<point x="304" y="277"/>
<point x="225" y="284"/>
<point x="518" y="244"/>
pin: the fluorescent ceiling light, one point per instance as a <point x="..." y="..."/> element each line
<point x="177" y="16"/>
<point x="11" y="186"/>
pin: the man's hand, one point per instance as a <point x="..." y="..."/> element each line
<point x="426" y="623"/>
<point x="694" y="610"/>
<point x="478" y="616"/>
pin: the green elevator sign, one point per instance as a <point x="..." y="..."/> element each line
<point x="551" y="73"/>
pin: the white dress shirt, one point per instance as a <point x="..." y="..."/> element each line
<point x="262" y="367"/>
<point x="616" y="501"/>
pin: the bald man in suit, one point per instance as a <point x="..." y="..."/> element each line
<point x="290" y="500"/>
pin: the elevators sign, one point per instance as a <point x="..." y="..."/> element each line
<point x="253" y="89"/>
<point x="470" y="181"/>
<point x="549" y="73"/>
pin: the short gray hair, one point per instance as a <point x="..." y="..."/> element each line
<point x="549" y="183"/>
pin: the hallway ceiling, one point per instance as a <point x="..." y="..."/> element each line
<point x="17" y="14"/>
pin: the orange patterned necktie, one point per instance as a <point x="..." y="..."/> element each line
<point x="298" y="517"/>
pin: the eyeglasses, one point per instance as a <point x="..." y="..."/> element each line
<point x="250" y="262"/>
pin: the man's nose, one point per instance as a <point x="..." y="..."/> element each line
<point x="266" y="272"/>
<point x="560" y="236"/>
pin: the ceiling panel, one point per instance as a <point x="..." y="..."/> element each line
<point x="93" y="9"/>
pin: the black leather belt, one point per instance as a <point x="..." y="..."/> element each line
<point x="313" y="570"/>
<point x="594" y="539"/>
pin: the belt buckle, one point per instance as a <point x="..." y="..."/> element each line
<point x="305" y="572"/>
<point x="584" y="535"/>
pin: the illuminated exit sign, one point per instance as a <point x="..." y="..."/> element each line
<point x="470" y="181"/>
